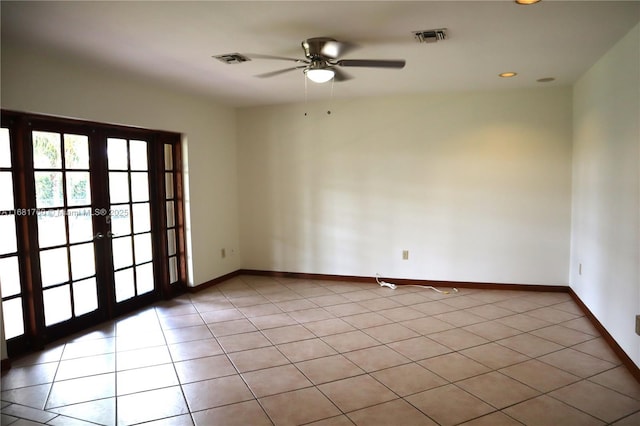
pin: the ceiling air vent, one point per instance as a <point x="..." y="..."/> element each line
<point x="430" y="36"/>
<point x="232" y="58"/>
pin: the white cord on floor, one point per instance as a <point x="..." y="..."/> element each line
<point x="384" y="283"/>
<point x="393" y="286"/>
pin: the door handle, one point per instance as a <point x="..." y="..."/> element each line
<point x="100" y="235"/>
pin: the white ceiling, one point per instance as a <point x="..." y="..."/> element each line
<point x="174" y="42"/>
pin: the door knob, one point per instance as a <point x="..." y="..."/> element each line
<point x="98" y="236"/>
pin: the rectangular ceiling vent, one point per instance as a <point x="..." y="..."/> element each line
<point x="232" y="58"/>
<point x="430" y="36"/>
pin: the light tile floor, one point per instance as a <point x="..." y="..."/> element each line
<point x="265" y="351"/>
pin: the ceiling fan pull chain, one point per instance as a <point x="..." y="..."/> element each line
<point x="305" y="94"/>
<point x="333" y="80"/>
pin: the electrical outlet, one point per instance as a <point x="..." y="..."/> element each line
<point x="223" y="253"/>
<point x="405" y="254"/>
<point x="580" y="269"/>
<point x="638" y="325"/>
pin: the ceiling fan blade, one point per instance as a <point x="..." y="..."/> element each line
<point x="278" y="72"/>
<point x="374" y="63"/>
<point x="340" y="75"/>
<point x="280" y="58"/>
<point x="335" y="49"/>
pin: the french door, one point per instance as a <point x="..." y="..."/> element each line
<point x="97" y="219"/>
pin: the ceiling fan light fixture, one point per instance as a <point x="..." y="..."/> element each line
<point x="319" y="75"/>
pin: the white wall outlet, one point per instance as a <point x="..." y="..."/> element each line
<point x="405" y="254"/>
<point x="223" y="253"/>
<point x="580" y="269"/>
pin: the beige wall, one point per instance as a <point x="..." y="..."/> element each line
<point x="477" y="186"/>
<point x="606" y="191"/>
<point x="40" y="82"/>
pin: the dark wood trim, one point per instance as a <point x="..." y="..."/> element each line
<point x="180" y="219"/>
<point x="33" y="304"/>
<point x="157" y="195"/>
<point x="406" y="281"/>
<point x="615" y="347"/>
<point x="6" y="364"/>
<point x="103" y="256"/>
<point x="214" y="281"/>
<point x="133" y="131"/>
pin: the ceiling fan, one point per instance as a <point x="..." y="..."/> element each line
<point x="322" y="62"/>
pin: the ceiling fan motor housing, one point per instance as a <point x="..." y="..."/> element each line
<point x="313" y="47"/>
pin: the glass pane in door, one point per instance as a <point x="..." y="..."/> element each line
<point x="141" y="218"/>
<point x="78" y="189"/>
<point x="139" y="186"/>
<point x="5" y="148"/>
<point x="76" y="151"/>
<point x="8" y="243"/>
<point x="47" y="152"/>
<point x="168" y="185"/>
<point x="9" y="276"/>
<point x="143" y="249"/>
<point x="171" y="242"/>
<point x="84" y="293"/>
<point x="120" y="220"/>
<point x="51" y="229"/>
<point x="57" y="304"/>
<point x="82" y="261"/>
<point x="171" y="214"/>
<point x="117" y="154"/>
<point x="6" y="191"/>
<point x="49" y="189"/>
<point x="54" y="266"/>
<point x="144" y="275"/>
<point x="118" y="187"/>
<point x="80" y="225"/>
<point x="168" y="157"/>
<point x="122" y="252"/>
<point x="173" y="270"/>
<point x="13" y="318"/>
<point x="125" y="285"/>
<point x="138" y="157"/>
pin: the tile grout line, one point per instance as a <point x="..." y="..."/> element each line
<point x="173" y="364"/>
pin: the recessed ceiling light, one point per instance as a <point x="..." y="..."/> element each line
<point x="545" y="80"/>
<point x="527" y="2"/>
<point x="507" y="74"/>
